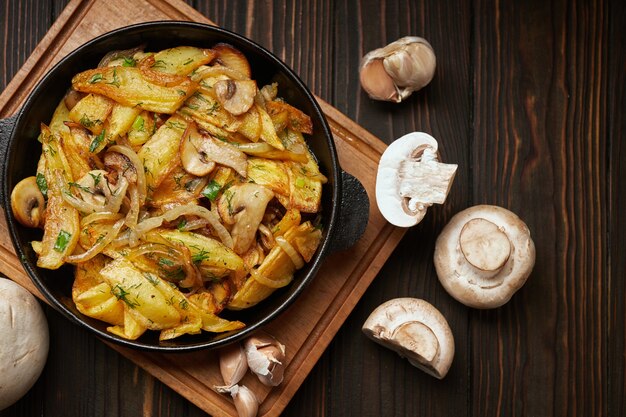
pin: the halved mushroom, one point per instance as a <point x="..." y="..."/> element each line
<point x="235" y="96"/>
<point x="484" y="255"/>
<point x="243" y="205"/>
<point x="28" y="203"/>
<point x="199" y="153"/>
<point x="410" y="179"/>
<point x="416" y="330"/>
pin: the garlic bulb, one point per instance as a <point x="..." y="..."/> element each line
<point x="266" y="358"/>
<point x="394" y="72"/>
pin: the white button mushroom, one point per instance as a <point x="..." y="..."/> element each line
<point x="484" y="255"/>
<point x="23" y="342"/>
<point x="410" y="179"/>
<point x="416" y="330"/>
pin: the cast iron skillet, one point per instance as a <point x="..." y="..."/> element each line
<point x="345" y="205"/>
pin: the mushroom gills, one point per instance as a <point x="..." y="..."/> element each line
<point x="200" y="152"/>
<point x="243" y="205"/>
<point x="415" y="330"/>
<point x="237" y="97"/>
<point x="410" y="179"/>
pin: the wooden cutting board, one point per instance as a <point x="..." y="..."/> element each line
<point x="309" y="325"/>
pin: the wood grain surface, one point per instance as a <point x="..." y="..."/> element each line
<point x="529" y="100"/>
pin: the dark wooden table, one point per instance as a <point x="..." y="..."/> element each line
<point x="529" y="100"/>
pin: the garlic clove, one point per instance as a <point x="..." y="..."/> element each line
<point x="233" y="364"/>
<point x="408" y="65"/>
<point x="245" y="401"/>
<point x="377" y="83"/>
<point x="266" y="357"/>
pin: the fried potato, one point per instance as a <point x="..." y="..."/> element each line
<point x="92" y="295"/>
<point x="159" y="154"/>
<point x="131" y="87"/>
<point x="91" y="112"/>
<point x="204" y="250"/>
<point x="182" y="60"/>
<point x="61" y="229"/>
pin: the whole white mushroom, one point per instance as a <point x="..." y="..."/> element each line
<point x="23" y="342"/>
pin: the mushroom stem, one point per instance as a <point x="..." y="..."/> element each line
<point x="484" y="245"/>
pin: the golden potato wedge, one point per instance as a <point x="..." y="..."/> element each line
<point x="131" y="87"/>
<point x="285" y="115"/>
<point x="142" y="128"/>
<point x="146" y="304"/>
<point x="61" y="229"/>
<point x="275" y="271"/>
<point x="93" y="296"/>
<point x="204" y="250"/>
<point x="269" y="173"/>
<point x="117" y="125"/>
<point x="268" y="132"/>
<point x="182" y="60"/>
<point x="91" y="112"/>
<point x="159" y="154"/>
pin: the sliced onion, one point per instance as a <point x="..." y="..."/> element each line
<point x="188" y="210"/>
<point x="98" y="217"/>
<point x="269" y="282"/>
<point x="81" y="205"/>
<point x="99" y="246"/>
<point x="267" y="237"/>
<point x="133" y="213"/>
<point x="290" y="251"/>
<point x="194" y="225"/>
<point x="139" y="169"/>
<point x="255" y="148"/>
<point x="114" y="202"/>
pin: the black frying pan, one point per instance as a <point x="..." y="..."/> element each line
<point x="345" y="205"/>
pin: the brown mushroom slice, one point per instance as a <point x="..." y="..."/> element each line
<point x="416" y="330"/>
<point x="243" y="205"/>
<point x="410" y="179"/>
<point x="484" y="255"/>
<point x="27" y="203"/>
<point x="237" y="97"/>
<point x="199" y="153"/>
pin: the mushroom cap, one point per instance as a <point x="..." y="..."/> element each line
<point x="23" y="341"/>
<point x="392" y="206"/>
<point x="414" y="329"/>
<point x="28" y="203"/>
<point x="484" y="255"/>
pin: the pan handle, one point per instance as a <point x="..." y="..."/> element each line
<point x="353" y="214"/>
<point x="6" y="128"/>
